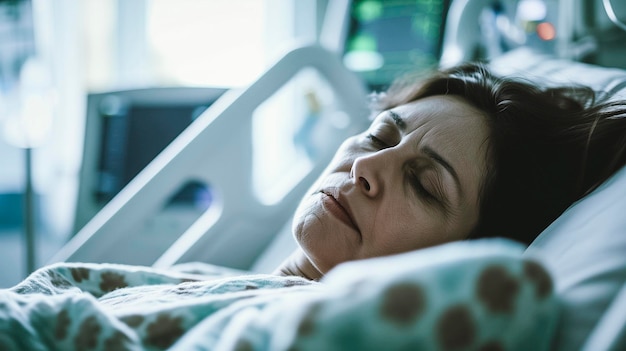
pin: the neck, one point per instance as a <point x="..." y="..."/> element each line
<point x="297" y="264"/>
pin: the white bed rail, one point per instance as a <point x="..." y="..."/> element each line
<point x="238" y="226"/>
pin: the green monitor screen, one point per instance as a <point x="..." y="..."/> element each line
<point x="387" y="39"/>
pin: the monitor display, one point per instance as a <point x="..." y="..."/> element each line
<point x="133" y="137"/>
<point x="124" y="131"/>
<point x="387" y="39"/>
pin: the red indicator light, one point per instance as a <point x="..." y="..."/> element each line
<point x="546" y="31"/>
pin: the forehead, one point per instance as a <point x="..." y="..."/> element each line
<point x="448" y="111"/>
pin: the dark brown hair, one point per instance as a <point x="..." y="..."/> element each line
<point x="549" y="146"/>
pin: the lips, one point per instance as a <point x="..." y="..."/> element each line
<point x="338" y="210"/>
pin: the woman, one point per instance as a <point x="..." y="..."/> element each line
<point x="462" y="154"/>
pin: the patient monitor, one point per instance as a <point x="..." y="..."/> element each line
<point x="124" y="131"/>
<point x="385" y="40"/>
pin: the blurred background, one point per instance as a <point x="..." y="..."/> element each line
<point x="56" y="55"/>
<point x="53" y="53"/>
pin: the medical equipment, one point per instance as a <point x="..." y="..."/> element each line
<point x="124" y="131"/>
<point x="416" y="28"/>
<point x="106" y="237"/>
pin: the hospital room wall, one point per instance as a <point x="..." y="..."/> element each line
<point x="96" y="45"/>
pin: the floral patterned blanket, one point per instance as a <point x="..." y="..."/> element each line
<point x="464" y="296"/>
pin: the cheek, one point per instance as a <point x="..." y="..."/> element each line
<point x="403" y="227"/>
<point x="303" y="218"/>
<point x="318" y="240"/>
<point x="310" y="227"/>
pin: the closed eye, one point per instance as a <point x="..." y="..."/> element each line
<point x="432" y="192"/>
<point x="420" y="190"/>
<point x="434" y="196"/>
<point x="377" y="142"/>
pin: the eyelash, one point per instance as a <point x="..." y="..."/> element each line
<point x="415" y="182"/>
<point x="420" y="189"/>
<point x="378" y="143"/>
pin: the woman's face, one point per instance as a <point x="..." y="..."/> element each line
<point x="410" y="181"/>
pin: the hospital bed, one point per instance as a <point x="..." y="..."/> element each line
<point x="585" y="248"/>
<point x="105" y="237"/>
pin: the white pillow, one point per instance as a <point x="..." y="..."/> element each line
<point x="585" y="250"/>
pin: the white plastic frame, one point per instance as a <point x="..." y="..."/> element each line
<point x="235" y="231"/>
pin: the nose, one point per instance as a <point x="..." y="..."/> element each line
<point x="366" y="174"/>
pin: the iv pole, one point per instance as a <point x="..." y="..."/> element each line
<point x="13" y="11"/>
<point x="29" y="212"/>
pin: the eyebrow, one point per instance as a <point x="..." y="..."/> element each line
<point x="430" y="152"/>
<point x="397" y="119"/>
